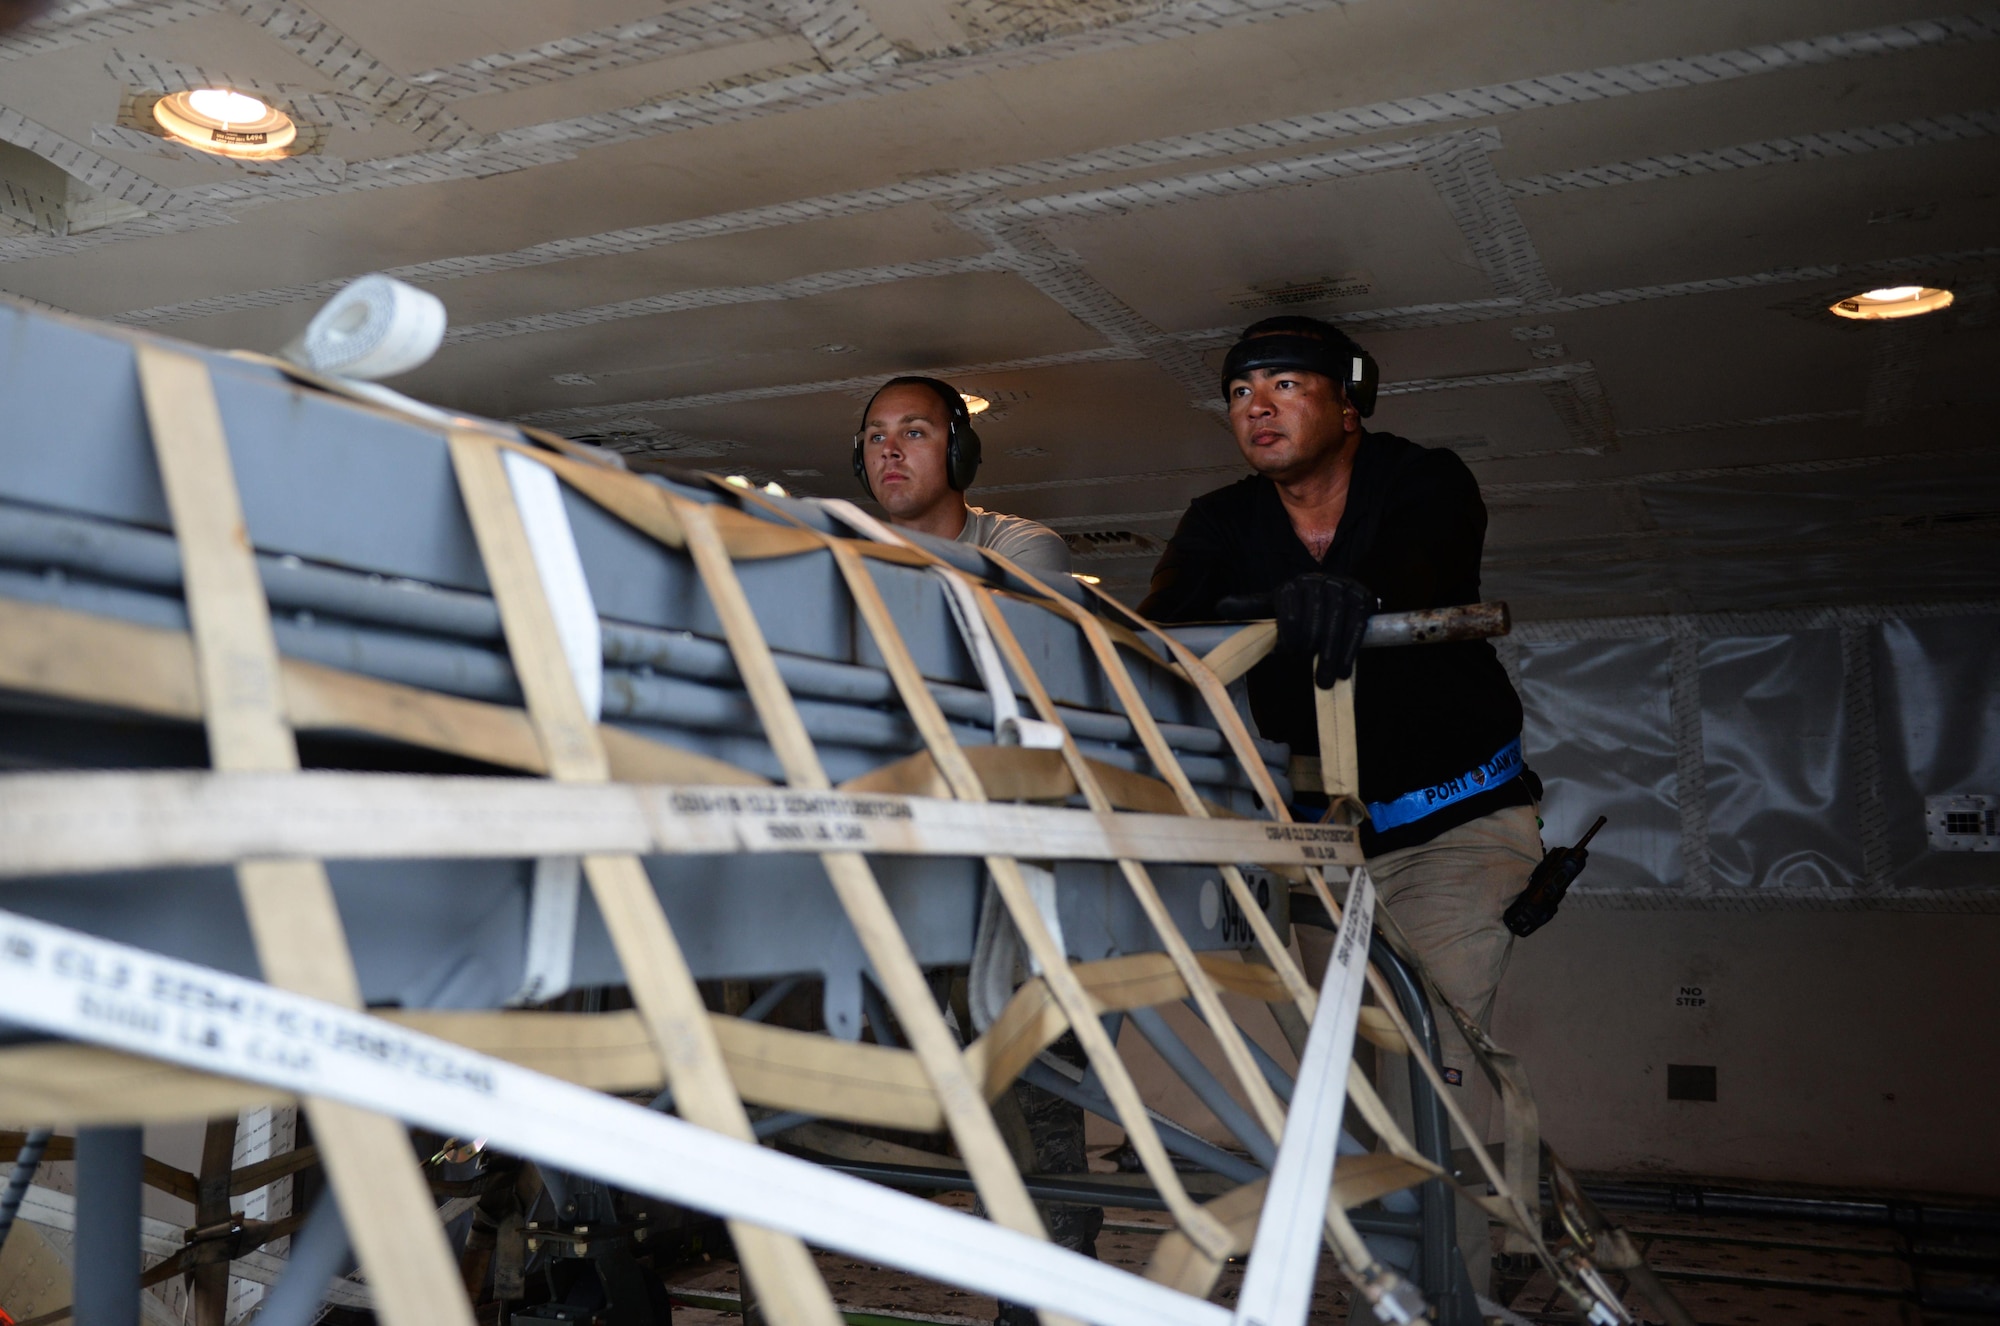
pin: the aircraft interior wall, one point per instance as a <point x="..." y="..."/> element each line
<point x="1847" y="1047"/>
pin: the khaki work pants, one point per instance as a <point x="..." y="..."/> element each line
<point x="1448" y="895"/>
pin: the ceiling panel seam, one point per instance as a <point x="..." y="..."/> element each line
<point x="1250" y="177"/>
<point x="1951" y="128"/>
<point x="1461" y="170"/>
<point x="80" y="24"/>
<point x="1458" y="164"/>
<point x="1434" y="314"/>
<point x="1425" y="316"/>
<point x="1482" y="310"/>
<point x="679" y="31"/>
<point x="840" y="31"/>
<point x="1013" y="247"/>
<point x="146" y="73"/>
<point x="680" y="301"/>
<point x="1059" y="276"/>
<point x="353" y="70"/>
<point x="1583" y="408"/>
<point x="847" y="386"/>
<point x="307" y="165"/>
<point x="935" y="189"/>
<point x="731" y="104"/>
<point x="1702" y="474"/>
<point x="101" y="173"/>
<point x="1925" y="131"/>
<point x="739" y="100"/>
<point x="1724" y="425"/>
<point x="1468" y="103"/>
<point x="1640" y="547"/>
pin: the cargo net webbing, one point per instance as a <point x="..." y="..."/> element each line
<point x="145" y="1038"/>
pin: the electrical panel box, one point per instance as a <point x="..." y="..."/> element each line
<point x="1966" y="823"/>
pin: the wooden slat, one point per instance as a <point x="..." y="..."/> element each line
<point x="289" y="904"/>
<point x="1235" y="1051"/>
<point x="663" y="986"/>
<point x="1242" y="651"/>
<point x="1136" y="877"/>
<point x="1357" y="1180"/>
<point x="1031" y="1021"/>
<point x="1214" y="692"/>
<point x="854" y="883"/>
<point x="97" y="660"/>
<point x="209" y="1282"/>
<point x="1077" y="1010"/>
<point x="1019" y="773"/>
<point x="157" y="1174"/>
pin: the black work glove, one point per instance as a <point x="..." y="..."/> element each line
<point x="1324" y="617"/>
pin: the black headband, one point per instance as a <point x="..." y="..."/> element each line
<point x="1346" y="363"/>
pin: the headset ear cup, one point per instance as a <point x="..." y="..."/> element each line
<point x="962" y="456"/>
<point x="1362" y="393"/>
<point x="861" y="469"/>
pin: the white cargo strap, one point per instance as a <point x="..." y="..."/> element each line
<point x="554" y="896"/>
<point x="553" y="899"/>
<point x="77" y="986"/>
<point x="1010" y="728"/>
<point x="1285" y="1257"/>
<point x="996" y="949"/>
<point x="998" y="952"/>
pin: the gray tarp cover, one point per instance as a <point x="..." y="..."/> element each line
<point x="1814" y="748"/>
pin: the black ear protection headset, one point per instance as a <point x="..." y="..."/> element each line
<point x="961" y="446"/>
<point x="1311" y="346"/>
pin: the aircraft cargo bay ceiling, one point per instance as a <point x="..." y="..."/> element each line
<point x="1592" y="243"/>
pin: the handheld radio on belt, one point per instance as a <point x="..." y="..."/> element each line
<point x="1536" y="906"/>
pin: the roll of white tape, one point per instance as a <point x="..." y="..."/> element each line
<point x="376" y="327"/>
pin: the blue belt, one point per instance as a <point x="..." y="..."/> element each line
<point x="1413" y="806"/>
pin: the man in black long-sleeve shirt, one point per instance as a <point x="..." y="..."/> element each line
<point x="1335" y="523"/>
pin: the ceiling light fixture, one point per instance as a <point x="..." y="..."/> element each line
<point x="225" y="123"/>
<point x="976" y="404"/>
<point x="1088" y="580"/>
<point x="1893" y="301"/>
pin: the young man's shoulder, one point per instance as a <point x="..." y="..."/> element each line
<point x="1030" y="542"/>
<point x="983" y="527"/>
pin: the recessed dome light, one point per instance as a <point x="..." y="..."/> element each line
<point x="227" y="107"/>
<point x="976" y="404"/>
<point x="1893" y="301"/>
<point x="225" y="123"/>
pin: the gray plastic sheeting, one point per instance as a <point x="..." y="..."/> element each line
<point x="1940" y="681"/>
<point x="1782" y="807"/>
<point x="1600" y="735"/>
<point x="1811" y="771"/>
